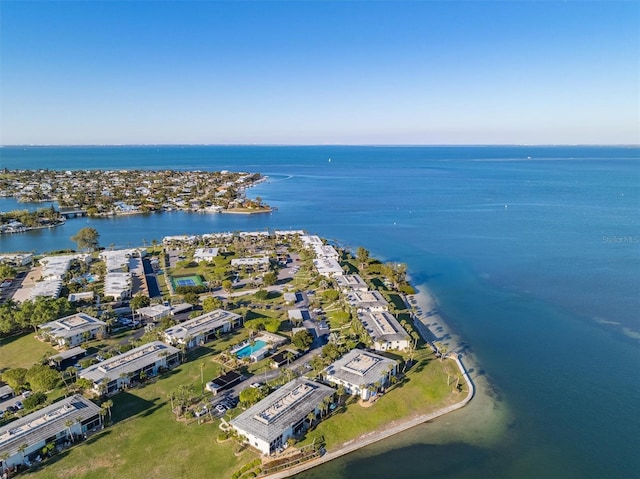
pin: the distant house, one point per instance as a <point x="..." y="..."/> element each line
<point x="77" y="297"/>
<point x="284" y="357"/>
<point x="223" y="382"/>
<point x="205" y="254"/>
<point x="116" y="373"/>
<point x="48" y="288"/>
<point x="283" y="414"/>
<point x="72" y="330"/>
<point x="155" y="313"/>
<point x="290" y="298"/>
<point x="361" y="372"/>
<point x="118" y="285"/>
<point x="367" y="300"/>
<point x="202" y="329"/>
<point x="351" y="282"/>
<point x="384" y="330"/>
<point x="328" y="267"/>
<point x="58" y="423"/>
<point x="69" y="357"/>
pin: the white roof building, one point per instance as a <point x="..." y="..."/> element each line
<point x="255" y="261"/>
<point x="268" y="424"/>
<point x="328" y="267"/>
<point x="325" y="251"/>
<point x="203" y="328"/>
<point x="155" y="312"/>
<point x="117" y="285"/>
<point x="349" y="282"/>
<point x="72" y="330"/>
<point x="384" y="330"/>
<point x="310" y="240"/>
<point x="49" y="288"/>
<point x="367" y="300"/>
<point x="205" y="254"/>
<point x="115" y="373"/>
<point x="48" y="424"/>
<point x="359" y="370"/>
<point x="118" y="259"/>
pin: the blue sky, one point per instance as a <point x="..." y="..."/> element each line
<point x="352" y="72"/>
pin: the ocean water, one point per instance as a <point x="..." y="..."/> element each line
<point x="533" y="254"/>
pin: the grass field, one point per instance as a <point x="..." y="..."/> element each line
<point x="424" y="390"/>
<point x="146" y="436"/>
<point x="146" y="439"/>
<point x="22" y="351"/>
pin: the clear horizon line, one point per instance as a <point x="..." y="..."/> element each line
<point x="392" y="145"/>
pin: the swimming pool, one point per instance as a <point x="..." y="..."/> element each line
<point x="248" y="350"/>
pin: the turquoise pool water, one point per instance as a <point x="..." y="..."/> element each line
<point x="248" y="350"/>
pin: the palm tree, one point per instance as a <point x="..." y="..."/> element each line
<point x="311" y="417"/>
<point x="68" y="423"/>
<point x="202" y="374"/>
<point x="23" y="447"/>
<point x="340" y="392"/>
<point x="108" y="404"/>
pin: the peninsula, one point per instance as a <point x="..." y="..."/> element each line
<point x="253" y="354"/>
<point x="109" y="193"/>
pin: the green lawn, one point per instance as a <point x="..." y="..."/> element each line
<point x="146" y="439"/>
<point x="425" y="390"/>
<point x="22" y="351"/>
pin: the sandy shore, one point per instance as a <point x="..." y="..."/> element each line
<point x="434" y="330"/>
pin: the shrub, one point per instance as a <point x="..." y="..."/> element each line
<point x="407" y="289"/>
<point x="34" y="400"/>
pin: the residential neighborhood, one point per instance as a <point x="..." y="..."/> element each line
<point x="122" y="192"/>
<point x="279" y="329"/>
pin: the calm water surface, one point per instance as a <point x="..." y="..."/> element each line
<point x="532" y="252"/>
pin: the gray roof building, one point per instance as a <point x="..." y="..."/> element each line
<point x="359" y="369"/>
<point x="384" y="330"/>
<point x="269" y="423"/>
<point x="71" y="329"/>
<point x="148" y="356"/>
<point x="202" y="326"/>
<point x="40" y="426"/>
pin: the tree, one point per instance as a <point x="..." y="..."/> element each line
<point x="16" y="378"/>
<point x="139" y="301"/>
<point x="302" y="340"/>
<point x="108" y="404"/>
<point x="68" y="424"/>
<point x="250" y="396"/>
<point x="86" y="238"/>
<point x="211" y="303"/>
<point x="7" y="271"/>
<point x="362" y="256"/>
<point x="341" y="391"/>
<point x="269" y="278"/>
<point x="42" y="378"/>
<point x="34" y="400"/>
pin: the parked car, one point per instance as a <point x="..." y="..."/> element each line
<point x="11" y="409"/>
<point x="19" y="405"/>
<point x="220" y="408"/>
<point x="26" y="394"/>
<point x="1" y="414"/>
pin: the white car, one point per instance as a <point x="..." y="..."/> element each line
<point x="26" y="394"/>
<point x="19" y="405"/>
<point x="220" y="408"/>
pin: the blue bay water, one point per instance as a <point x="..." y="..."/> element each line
<point x="532" y="252"/>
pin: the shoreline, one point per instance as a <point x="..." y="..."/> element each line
<point x="426" y="302"/>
